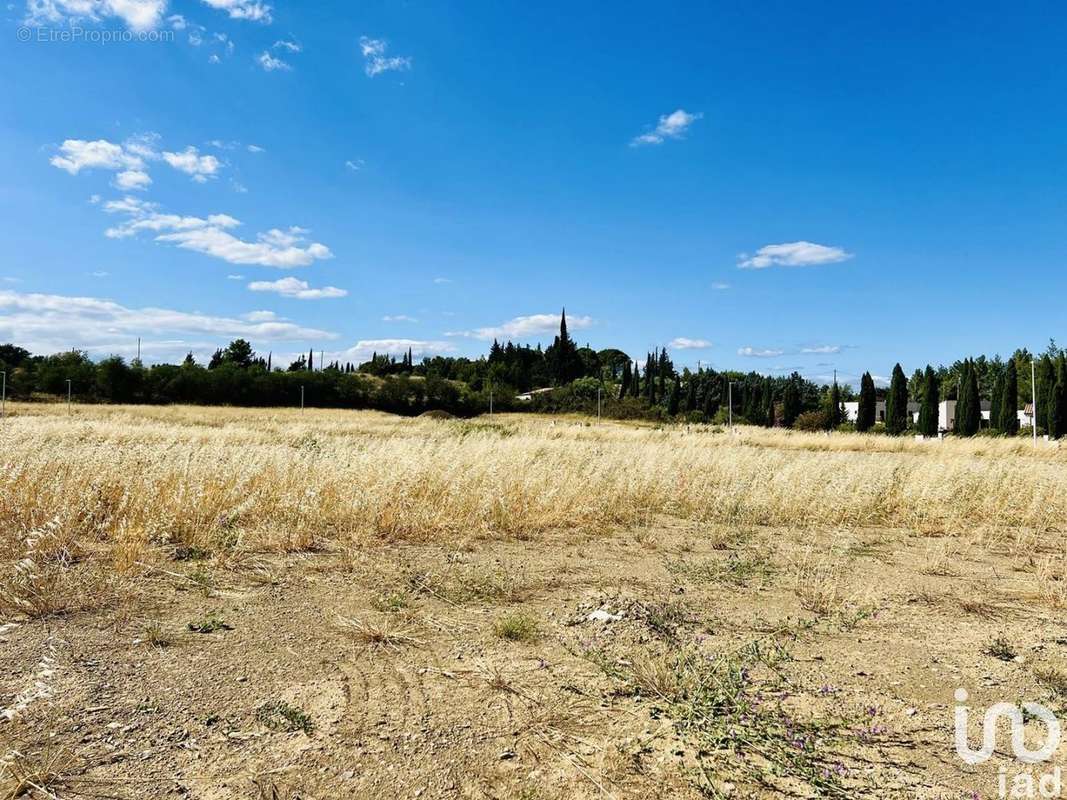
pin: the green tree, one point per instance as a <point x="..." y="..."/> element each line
<point x="835" y="415"/>
<point x="674" y="397"/>
<point x="995" y="400"/>
<point x="1009" y="402"/>
<point x="928" y="416"/>
<point x="865" y="414"/>
<point x="969" y="408"/>
<point x="896" y="410"/>
<point x="791" y="401"/>
<point x="1057" y="412"/>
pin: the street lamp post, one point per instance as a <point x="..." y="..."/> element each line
<point x="70" y="408"/>
<point x="3" y="393"/>
<point x="1033" y="394"/>
<point x="301" y="398"/>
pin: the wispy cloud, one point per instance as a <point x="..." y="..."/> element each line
<point x="376" y="61"/>
<point x="822" y="349"/>
<point x="189" y="161"/>
<point x="252" y="10"/>
<point x="47" y="323"/>
<point x="289" y="45"/>
<point x="670" y="126"/>
<point x="756" y="352"/>
<point x="792" y="254"/>
<point x="533" y="326"/>
<point x="271" y="63"/>
<point x="211" y="236"/>
<point x="719" y="286"/>
<point x="355" y="164"/>
<point x="293" y="287"/>
<point x="364" y="348"/>
<point x="398" y="318"/>
<point x="442" y="280"/>
<point x="685" y="343"/>
<point x="130" y="160"/>
<point x="137" y="15"/>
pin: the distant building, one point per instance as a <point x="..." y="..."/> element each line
<point x="526" y="397"/>
<point x="852" y="410"/>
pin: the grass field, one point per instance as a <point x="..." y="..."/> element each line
<point x="230" y="603"/>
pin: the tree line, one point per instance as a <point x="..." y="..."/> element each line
<point x="583" y="380"/>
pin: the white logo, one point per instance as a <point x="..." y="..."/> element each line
<point x="989" y="731"/>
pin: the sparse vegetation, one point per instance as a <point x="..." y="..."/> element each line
<point x="517" y="627"/>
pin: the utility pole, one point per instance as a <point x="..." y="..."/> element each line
<point x="598" y="405"/>
<point x="3" y="392"/>
<point x="1033" y="394"/>
<point x="70" y="409"/>
<point x="301" y="398"/>
<point x="322" y="359"/>
<point x="138" y="349"/>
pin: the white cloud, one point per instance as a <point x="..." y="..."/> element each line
<point x="177" y="22"/>
<point x="261" y="316"/>
<point x="375" y="59"/>
<point x="285" y="44"/>
<point x="719" y="286"/>
<point x="99" y="274"/>
<point x="133" y="179"/>
<point x="293" y="287"/>
<point x="670" y="126"/>
<point x="398" y="318"/>
<point x="255" y="148"/>
<point x="792" y="254"/>
<point x="137" y="15"/>
<point x="355" y="164"/>
<point x="211" y="236"/>
<point x="822" y="349"/>
<point x="272" y="64"/>
<point x="235" y="277"/>
<point x="533" y="326"/>
<point x="684" y="343"/>
<point x="755" y="352"/>
<point x="442" y="280"/>
<point x="214" y="59"/>
<point x="192" y="163"/>
<point x="364" y="348"/>
<point x="47" y="323"/>
<point x="78" y="154"/>
<point x="243" y="9"/>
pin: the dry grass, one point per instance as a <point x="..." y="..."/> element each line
<point x="217" y="478"/>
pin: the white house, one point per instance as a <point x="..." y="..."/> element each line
<point x="852" y="410"/>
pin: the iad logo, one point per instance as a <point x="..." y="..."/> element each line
<point x="1022" y="784"/>
<point x="989" y="731"/>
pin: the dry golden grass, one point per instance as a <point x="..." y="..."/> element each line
<point x="216" y="478"/>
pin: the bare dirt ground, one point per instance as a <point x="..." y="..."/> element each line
<point x="672" y="660"/>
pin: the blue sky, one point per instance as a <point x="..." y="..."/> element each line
<point x="768" y="186"/>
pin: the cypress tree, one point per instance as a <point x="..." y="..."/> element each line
<point x="1009" y="402"/>
<point x="691" y="394"/>
<point x="896" y="408"/>
<point x="624" y="386"/>
<point x="968" y="408"/>
<point x="768" y="402"/>
<point x="1046" y="385"/>
<point x="790" y="403"/>
<point x="865" y="414"/>
<point x="710" y="404"/>
<point x="928" y="417"/>
<point x="674" y="397"/>
<point x="995" y="401"/>
<point x="833" y="419"/>
<point x="1057" y="411"/>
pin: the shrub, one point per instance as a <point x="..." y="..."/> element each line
<point x="811" y="421"/>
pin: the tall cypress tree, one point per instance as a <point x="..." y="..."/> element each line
<point x="768" y="402"/>
<point x="635" y="383"/>
<point x="790" y="403"/>
<point x="995" y="401"/>
<point x="1057" y="411"/>
<point x="624" y="385"/>
<point x="928" y="416"/>
<point x="896" y="409"/>
<point x="865" y="413"/>
<point x="674" y="397"/>
<point x="691" y="394"/>
<point x="968" y="408"/>
<point x="834" y="417"/>
<point x="1009" y="401"/>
